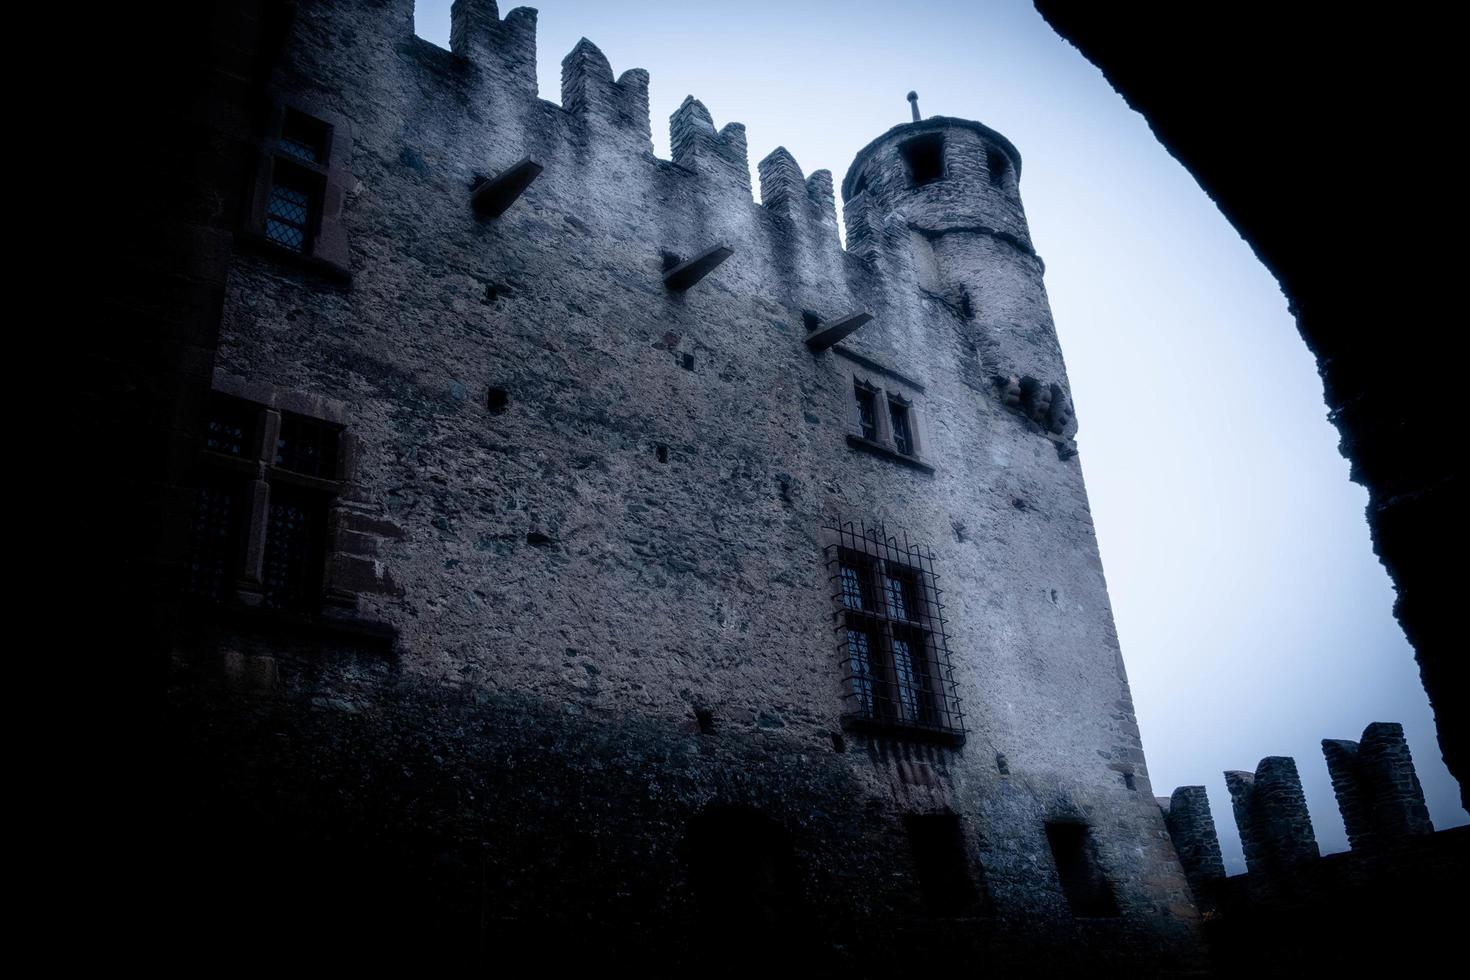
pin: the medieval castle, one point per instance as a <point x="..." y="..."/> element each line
<point x="580" y="559"/>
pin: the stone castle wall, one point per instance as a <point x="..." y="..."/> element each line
<point x="580" y="571"/>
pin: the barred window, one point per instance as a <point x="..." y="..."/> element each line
<point x="893" y="647"/>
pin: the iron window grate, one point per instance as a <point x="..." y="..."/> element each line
<point x="892" y="640"/>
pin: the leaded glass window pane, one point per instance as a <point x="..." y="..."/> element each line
<point x="852" y="588"/>
<point x="290" y="207"/>
<point x="906" y="678"/>
<point x="860" y="667"/>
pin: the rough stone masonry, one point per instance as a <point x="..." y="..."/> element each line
<point x="584" y="548"/>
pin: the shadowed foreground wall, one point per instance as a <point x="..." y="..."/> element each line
<point x="1318" y="132"/>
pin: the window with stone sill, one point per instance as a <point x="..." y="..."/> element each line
<point x="885" y="421"/>
<point x="268" y="481"/>
<point x="893" y="647"/>
<point x="301" y="181"/>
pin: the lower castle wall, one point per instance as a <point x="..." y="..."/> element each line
<point x="326" y="802"/>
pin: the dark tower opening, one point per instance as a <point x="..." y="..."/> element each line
<point x="996" y="164"/>
<point x="925" y="157"/>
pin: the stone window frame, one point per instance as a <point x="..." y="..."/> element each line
<point x="256" y="471"/>
<point x="326" y="249"/>
<point x="889" y="390"/>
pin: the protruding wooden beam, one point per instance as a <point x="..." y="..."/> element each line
<point x="836" y="330"/>
<point x="686" y="274"/>
<point x="497" y="193"/>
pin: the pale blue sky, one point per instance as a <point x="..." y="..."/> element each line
<point x="1254" y="618"/>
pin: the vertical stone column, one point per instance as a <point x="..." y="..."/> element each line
<point x="1342" y="766"/>
<point x="1377" y="790"/>
<point x="1192" y="829"/>
<point x="1271" y="812"/>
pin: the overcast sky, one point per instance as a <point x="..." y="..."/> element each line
<point x="1254" y="618"/>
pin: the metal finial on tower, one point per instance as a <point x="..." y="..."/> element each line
<point x="914" y="105"/>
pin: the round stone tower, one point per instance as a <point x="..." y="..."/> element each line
<point x="947" y="191"/>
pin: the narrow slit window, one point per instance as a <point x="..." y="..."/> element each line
<point x="903" y="437"/>
<point x="867" y="411"/>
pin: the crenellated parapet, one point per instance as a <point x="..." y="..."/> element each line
<point x="1192" y="829"/>
<point x="1271" y="813"/>
<point x="588" y="90"/>
<point x="698" y="146"/>
<point x="785" y="192"/>
<point x="1378" y="792"/>
<point x="471" y="119"/>
<point x="504" y="50"/>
